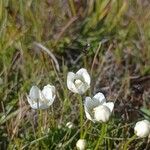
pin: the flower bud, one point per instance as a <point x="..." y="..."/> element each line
<point x="102" y="113"/>
<point x="81" y="144"/>
<point x="69" y="125"/>
<point x="142" y="128"/>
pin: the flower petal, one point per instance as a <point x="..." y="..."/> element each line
<point x="34" y="93"/>
<point x="49" y="94"/>
<point x="30" y="101"/>
<point x="147" y="122"/>
<point x="88" y="116"/>
<point x="110" y="105"/>
<point x="36" y="104"/>
<point x="84" y="74"/>
<point x="39" y="106"/>
<point x="70" y="82"/>
<point x="89" y="105"/>
<point x="102" y="113"/>
<point x="82" y="88"/>
<point x="100" y="97"/>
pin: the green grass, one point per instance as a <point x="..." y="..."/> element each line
<point x="118" y="61"/>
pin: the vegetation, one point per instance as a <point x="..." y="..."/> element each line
<point x="42" y="40"/>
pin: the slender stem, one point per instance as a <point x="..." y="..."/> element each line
<point x="81" y="117"/>
<point x="72" y="6"/>
<point x="86" y="130"/>
<point x="21" y="11"/>
<point x="103" y="132"/>
<point x="128" y="142"/>
<point x="39" y="122"/>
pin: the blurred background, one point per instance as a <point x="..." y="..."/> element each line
<point x="41" y="40"/>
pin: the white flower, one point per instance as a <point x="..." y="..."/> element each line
<point x="60" y="145"/>
<point x="142" y="128"/>
<point x="41" y="99"/>
<point x="78" y="82"/>
<point x="69" y="125"/>
<point x="97" y="109"/>
<point x="81" y="144"/>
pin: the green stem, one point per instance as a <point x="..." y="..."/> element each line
<point x="81" y="117"/>
<point x="86" y="130"/>
<point x="39" y="122"/>
<point x="128" y="142"/>
<point x="72" y="6"/>
<point x="103" y="132"/>
<point x="21" y="11"/>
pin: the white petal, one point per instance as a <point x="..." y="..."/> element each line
<point x="110" y="105"/>
<point x="44" y="102"/>
<point x="102" y="113"/>
<point x="147" y="122"/>
<point x="43" y="106"/>
<point x="30" y="101"/>
<point x="89" y="105"/>
<point x="84" y="74"/>
<point x="34" y="96"/>
<point x="42" y="97"/>
<point x="49" y="93"/>
<point x="88" y="116"/>
<point x="82" y="88"/>
<point x="39" y="106"/>
<point x="100" y="97"/>
<point x="34" y="107"/>
<point x="34" y="93"/>
<point x="70" y="82"/>
<point x="34" y="104"/>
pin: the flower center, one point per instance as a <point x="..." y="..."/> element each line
<point x="78" y="83"/>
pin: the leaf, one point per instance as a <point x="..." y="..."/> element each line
<point x="145" y="112"/>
